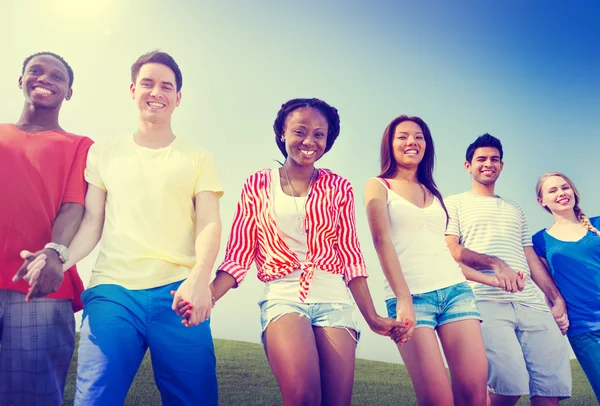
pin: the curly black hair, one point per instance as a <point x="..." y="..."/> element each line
<point x="52" y="54"/>
<point x="330" y="113"/>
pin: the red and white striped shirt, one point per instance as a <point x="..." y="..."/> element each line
<point x="330" y="226"/>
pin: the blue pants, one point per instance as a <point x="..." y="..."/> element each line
<point x="587" y="350"/>
<point x="119" y="325"/>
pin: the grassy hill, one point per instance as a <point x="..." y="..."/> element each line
<point x="246" y="379"/>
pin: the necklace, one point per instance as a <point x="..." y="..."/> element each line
<point x="300" y="217"/>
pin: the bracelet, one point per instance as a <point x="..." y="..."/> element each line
<point x="214" y="301"/>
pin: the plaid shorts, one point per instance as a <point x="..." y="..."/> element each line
<point x="37" y="340"/>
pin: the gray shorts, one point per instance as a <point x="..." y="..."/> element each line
<point x="37" y="340"/>
<point x="526" y="352"/>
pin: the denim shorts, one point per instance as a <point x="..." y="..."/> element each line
<point x="446" y="305"/>
<point x="335" y="315"/>
<point x="526" y="352"/>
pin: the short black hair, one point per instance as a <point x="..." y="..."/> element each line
<point x="329" y="112"/>
<point x="157" y="57"/>
<point x="485" y="140"/>
<point x="52" y="54"/>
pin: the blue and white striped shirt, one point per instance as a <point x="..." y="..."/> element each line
<point x="496" y="227"/>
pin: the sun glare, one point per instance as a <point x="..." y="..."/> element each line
<point x="85" y="9"/>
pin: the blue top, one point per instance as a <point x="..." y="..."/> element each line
<point x="575" y="267"/>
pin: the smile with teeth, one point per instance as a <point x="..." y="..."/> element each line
<point x="563" y="200"/>
<point x="307" y="153"/>
<point x="155" y="105"/>
<point x="487" y="172"/>
<point x="42" y="91"/>
<point x="411" y="152"/>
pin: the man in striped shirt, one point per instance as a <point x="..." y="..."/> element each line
<point x="525" y="349"/>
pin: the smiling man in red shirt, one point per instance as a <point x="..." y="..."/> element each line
<point x="42" y="175"/>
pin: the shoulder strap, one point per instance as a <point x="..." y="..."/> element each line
<point x="384" y="182"/>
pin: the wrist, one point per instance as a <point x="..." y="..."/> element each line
<point x="555" y="298"/>
<point x="62" y="252"/>
<point x="199" y="275"/>
<point x="496" y="264"/>
<point x="372" y="319"/>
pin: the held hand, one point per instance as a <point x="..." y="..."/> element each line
<point x="392" y="328"/>
<point x="32" y="265"/>
<point x="45" y="274"/>
<point x="30" y="260"/>
<point x="405" y="314"/>
<point x="495" y="282"/>
<point x="559" y="312"/>
<point x="510" y="281"/>
<point x="199" y="302"/>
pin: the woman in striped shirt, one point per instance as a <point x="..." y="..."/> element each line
<point x="425" y="286"/>
<point x="297" y="223"/>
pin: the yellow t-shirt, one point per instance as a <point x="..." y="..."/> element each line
<point x="149" y="226"/>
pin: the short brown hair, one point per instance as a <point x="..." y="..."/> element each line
<point x="157" y="57"/>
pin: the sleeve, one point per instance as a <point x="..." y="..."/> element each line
<point x="453" y="227"/>
<point x="76" y="183"/>
<point x="595" y="222"/>
<point x="92" y="170"/>
<point x="242" y="242"/>
<point x="207" y="177"/>
<point x="349" y="247"/>
<point x="525" y="236"/>
<point x="539" y="244"/>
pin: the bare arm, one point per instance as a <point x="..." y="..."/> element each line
<point x="44" y="269"/>
<point x="540" y="275"/>
<point x="208" y="235"/>
<point x="509" y="279"/>
<point x="90" y="230"/>
<point x="195" y="290"/>
<point x="381" y="232"/>
<point x="477" y="276"/>
<point x="67" y="223"/>
<point x="470" y="258"/>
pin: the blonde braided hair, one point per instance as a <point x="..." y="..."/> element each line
<point x="583" y="219"/>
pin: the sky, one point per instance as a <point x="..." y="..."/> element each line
<point x="526" y="72"/>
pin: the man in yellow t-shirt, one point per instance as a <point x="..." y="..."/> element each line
<point x="154" y="200"/>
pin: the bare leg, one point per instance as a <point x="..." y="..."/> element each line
<point x="501" y="400"/>
<point x="465" y="354"/>
<point x="291" y="349"/>
<point x="337" y="353"/>
<point x="426" y="368"/>
<point x="544" y="401"/>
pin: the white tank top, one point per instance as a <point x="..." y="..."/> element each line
<point x="325" y="287"/>
<point x="418" y="235"/>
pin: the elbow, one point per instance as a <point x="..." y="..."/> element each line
<point x="381" y="241"/>
<point x="455" y="252"/>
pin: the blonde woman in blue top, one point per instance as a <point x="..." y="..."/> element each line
<point x="570" y="247"/>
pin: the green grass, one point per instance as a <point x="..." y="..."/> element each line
<point x="246" y="379"/>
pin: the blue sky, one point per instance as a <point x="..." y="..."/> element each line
<point x="527" y="72"/>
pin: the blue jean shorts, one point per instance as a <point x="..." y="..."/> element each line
<point x="438" y="307"/>
<point x="334" y="315"/>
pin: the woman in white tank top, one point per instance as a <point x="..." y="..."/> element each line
<point x="425" y="286"/>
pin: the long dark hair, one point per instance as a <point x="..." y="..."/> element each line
<point x="389" y="166"/>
